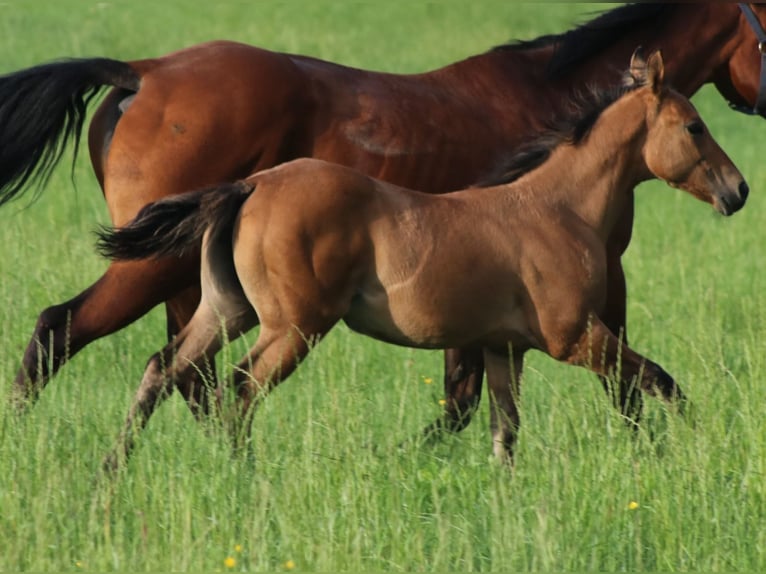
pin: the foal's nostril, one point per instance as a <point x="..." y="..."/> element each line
<point x="744" y="190"/>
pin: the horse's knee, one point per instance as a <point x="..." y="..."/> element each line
<point x="51" y="342"/>
<point x="58" y="330"/>
<point x="52" y="320"/>
<point x="45" y="352"/>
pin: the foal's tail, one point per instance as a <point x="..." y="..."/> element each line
<point x="43" y="108"/>
<point x="175" y="225"/>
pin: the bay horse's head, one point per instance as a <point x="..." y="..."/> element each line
<point x="679" y="148"/>
<point x="741" y="79"/>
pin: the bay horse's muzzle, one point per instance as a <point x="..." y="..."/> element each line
<point x="728" y="203"/>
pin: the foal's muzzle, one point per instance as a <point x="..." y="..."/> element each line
<point x="729" y="202"/>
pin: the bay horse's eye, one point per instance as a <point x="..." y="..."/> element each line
<point x="696" y="128"/>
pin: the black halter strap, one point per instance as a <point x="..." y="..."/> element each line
<point x="760" y="103"/>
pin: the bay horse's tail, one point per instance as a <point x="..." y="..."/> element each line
<point x="175" y="225"/>
<point x="44" y="107"/>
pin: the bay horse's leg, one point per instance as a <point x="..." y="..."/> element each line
<point x="126" y="291"/>
<point x="504" y="385"/>
<point x="599" y="350"/>
<point x="181" y="362"/>
<point x="626" y="397"/>
<point x="463" y="374"/>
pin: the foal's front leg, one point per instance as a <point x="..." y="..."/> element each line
<point x="625" y="396"/>
<point x="504" y="383"/>
<point x="599" y="350"/>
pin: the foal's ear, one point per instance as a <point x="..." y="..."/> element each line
<point x="655" y="71"/>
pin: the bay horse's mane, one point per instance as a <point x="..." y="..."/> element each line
<point x="589" y="38"/>
<point x="585" y="107"/>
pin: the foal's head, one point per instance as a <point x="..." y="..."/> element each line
<point x="679" y="148"/>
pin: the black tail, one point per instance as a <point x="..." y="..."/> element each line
<point x="175" y="225"/>
<point x="44" y="107"/>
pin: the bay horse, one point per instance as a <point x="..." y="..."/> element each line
<point x="219" y="111"/>
<point x="499" y="270"/>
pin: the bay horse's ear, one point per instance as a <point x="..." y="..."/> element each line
<point x="655" y="71"/>
<point x="636" y="73"/>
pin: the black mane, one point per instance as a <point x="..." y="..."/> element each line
<point x="573" y="128"/>
<point x="579" y="43"/>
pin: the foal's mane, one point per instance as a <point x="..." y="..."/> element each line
<point x="582" y="42"/>
<point x="585" y="108"/>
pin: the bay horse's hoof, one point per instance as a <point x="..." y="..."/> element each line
<point x="112" y="464"/>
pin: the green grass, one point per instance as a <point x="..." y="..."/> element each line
<point x="330" y="489"/>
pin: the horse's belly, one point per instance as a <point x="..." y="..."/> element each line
<point x="371" y="315"/>
<point x="433" y="324"/>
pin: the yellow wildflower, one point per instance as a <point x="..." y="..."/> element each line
<point x="238" y="548"/>
<point x="428" y="380"/>
<point x="442" y="402"/>
<point x="632" y="505"/>
<point x="229" y="562"/>
<point x="289" y="565"/>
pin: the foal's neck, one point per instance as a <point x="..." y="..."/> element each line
<point x="595" y="178"/>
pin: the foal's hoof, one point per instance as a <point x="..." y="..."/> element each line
<point x="503" y="460"/>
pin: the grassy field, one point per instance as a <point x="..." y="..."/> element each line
<point x="330" y="489"/>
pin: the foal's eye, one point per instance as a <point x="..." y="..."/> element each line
<point x="696" y="128"/>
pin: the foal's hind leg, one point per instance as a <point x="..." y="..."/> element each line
<point x="626" y="396"/>
<point x="275" y="355"/>
<point x="223" y="314"/>
<point x="182" y="360"/>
